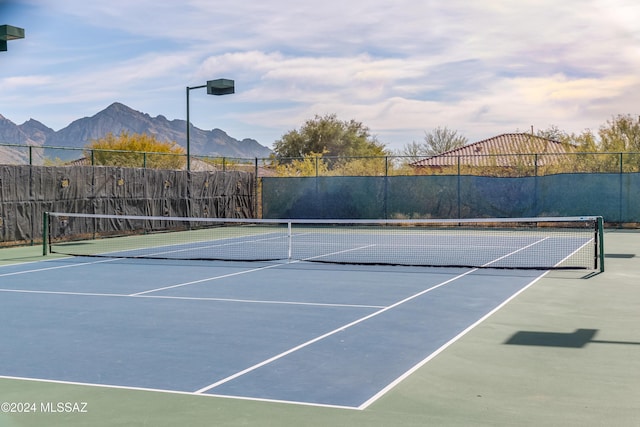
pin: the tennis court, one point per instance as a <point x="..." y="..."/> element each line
<point x="287" y="332"/>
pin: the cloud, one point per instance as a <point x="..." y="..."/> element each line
<point x="400" y="67"/>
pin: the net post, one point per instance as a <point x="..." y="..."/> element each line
<point x="45" y="233"/>
<point x="600" y="226"/>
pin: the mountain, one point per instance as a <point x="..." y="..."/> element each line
<point x="115" y="119"/>
<point x="36" y="131"/>
<point x="31" y="133"/>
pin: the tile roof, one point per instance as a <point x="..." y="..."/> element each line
<point x="500" y="150"/>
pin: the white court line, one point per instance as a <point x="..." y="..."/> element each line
<point x="200" y="392"/>
<point x="398" y="380"/>
<point x="363" y="406"/>
<point x="208" y="279"/>
<point x="217" y="244"/>
<point x="328" y="334"/>
<point x="461" y="334"/>
<point x="515" y="252"/>
<point x="169" y="297"/>
<point x="86" y="294"/>
<point x="574" y="252"/>
<point x="178" y="392"/>
<point x="312" y="304"/>
<point x="349" y="325"/>
<point x="36" y="270"/>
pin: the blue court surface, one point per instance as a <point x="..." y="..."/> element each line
<point x="316" y="334"/>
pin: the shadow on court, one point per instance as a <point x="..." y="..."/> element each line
<point x="577" y="339"/>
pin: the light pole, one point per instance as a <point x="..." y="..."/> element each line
<point x="214" y="87"/>
<point x="9" y="32"/>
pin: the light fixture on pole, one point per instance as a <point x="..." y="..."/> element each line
<point x="9" y="32"/>
<point x="214" y="87"/>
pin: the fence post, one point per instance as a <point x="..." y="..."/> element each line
<point x="256" y="183"/>
<point x="45" y="232"/>
<point x="386" y="187"/>
<point x="458" y="190"/>
<point x="535" y="186"/>
<point x="621" y="160"/>
<point x="621" y="189"/>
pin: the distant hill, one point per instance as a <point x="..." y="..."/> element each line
<point x="115" y="119"/>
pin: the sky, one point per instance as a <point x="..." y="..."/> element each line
<point x="400" y="67"/>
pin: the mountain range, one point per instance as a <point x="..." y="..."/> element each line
<point x="115" y="119"/>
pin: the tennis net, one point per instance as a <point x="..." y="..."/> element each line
<point x="524" y="243"/>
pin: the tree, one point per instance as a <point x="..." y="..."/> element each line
<point x="413" y="149"/>
<point x="613" y="148"/>
<point x="136" y="150"/>
<point x="438" y="141"/>
<point x="442" y="139"/>
<point x="329" y="136"/>
<point x="553" y="133"/>
<point x="310" y="165"/>
<point x="620" y="134"/>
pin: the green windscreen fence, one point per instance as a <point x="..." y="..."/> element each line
<point x="613" y="196"/>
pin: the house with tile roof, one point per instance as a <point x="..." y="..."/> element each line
<point x="507" y="151"/>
